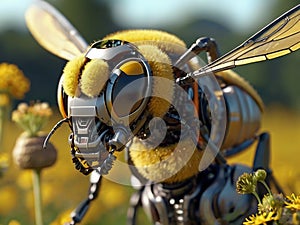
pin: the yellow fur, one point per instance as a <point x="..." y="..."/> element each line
<point x="165" y="41"/>
<point x="168" y="164"/>
<point x="163" y="89"/>
<point x="94" y="77"/>
<point x="72" y="72"/>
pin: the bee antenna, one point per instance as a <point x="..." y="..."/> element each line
<point x="56" y="126"/>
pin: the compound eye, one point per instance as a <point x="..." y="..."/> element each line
<point x="130" y="88"/>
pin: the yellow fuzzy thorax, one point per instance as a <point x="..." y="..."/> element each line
<point x="167" y="164"/>
<point x="165" y="41"/>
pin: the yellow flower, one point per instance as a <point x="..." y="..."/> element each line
<point x="13" y="81"/>
<point x="246" y="184"/>
<point x="3" y="159"/>
<point x="32" y="117"/>
<point x="296" y="218"/>
<point x="294" y="202"/>
<point x="112" y="197"/>
<point x="4" y="99"/>
<point x="9" y="199"/>
<point x="3" y="163"/>
<point x="24" y="180"/>
<point x="14" y="222"/>
<point x="271" y="203"/>
<point x="62" y="218"/>
<point x="263" y="218"/>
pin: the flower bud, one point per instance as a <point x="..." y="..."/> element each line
<point x="28" y="153"/>
<point x="260" y="175"/>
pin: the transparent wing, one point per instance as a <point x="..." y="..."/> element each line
<point x="279" y="38"/>
<point x="53" y="31"/>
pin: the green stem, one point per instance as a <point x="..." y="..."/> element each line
<point x="37" y="196"/>
<point x="266" y="186"/>
<point x="2" y="115"/>
<point x="257" y="197"/>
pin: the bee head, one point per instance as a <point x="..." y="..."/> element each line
<point x="107" y="96"/>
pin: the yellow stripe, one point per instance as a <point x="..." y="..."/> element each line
<point x="250" y="60"/>
<point x="220" y="66"/>
<point x="295" y="47"/>
<point x="278" y="54"/>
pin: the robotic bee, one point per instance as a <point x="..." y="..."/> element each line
<point x="177" y="120"/>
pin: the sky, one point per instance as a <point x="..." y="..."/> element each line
<point x="12" y="13"/>
<point x="239" y="15"/>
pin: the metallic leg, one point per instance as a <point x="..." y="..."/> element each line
<point x="262" y="159"/>
<point x="78" y="214"/>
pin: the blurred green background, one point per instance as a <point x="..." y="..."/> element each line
<point x="229" y="22"/>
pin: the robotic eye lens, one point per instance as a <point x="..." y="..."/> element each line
<point x="107" y="44"/>
<point x="132" y="68"/>
<point x="129" y="89"/>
